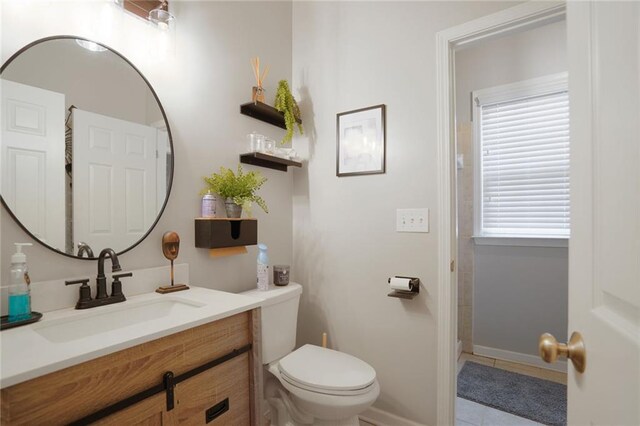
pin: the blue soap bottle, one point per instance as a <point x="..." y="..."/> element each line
<point x="19" y="291"/>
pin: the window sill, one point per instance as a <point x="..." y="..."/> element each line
<point x="520" y="241"/>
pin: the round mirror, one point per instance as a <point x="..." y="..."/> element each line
<point x="86" y="156"/>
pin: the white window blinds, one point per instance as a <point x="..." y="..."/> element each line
<point x="525" y="166"/>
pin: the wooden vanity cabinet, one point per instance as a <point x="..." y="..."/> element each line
<point x="68" y="395"/>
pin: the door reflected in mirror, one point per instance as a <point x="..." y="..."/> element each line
<point x="86" y="151"/>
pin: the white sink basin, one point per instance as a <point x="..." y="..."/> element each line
<point x="112" y="317"/>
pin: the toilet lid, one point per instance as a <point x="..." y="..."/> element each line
<point x="326" y="369"/>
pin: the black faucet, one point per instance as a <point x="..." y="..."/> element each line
<point x="101" y="279"/>
<point x="85" y="301"/>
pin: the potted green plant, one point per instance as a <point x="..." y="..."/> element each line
<point x="238" y="190"/>
<point x="286" y="104"/>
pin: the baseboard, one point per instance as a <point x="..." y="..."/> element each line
<point x="380" y="417"/>
<point x="459" y="349"/>
<point x="519" y="357"/>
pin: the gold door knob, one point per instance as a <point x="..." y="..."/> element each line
<point x="550" y="350"/>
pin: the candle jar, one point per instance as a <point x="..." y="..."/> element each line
<point x="281" y="275"/>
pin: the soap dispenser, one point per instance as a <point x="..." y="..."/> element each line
<point x="19" y="291"/>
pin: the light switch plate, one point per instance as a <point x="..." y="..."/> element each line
<point x="412" y="220"/>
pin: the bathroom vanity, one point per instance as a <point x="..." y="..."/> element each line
<point x="193" y="358"/>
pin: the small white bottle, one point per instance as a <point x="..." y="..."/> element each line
<point x="19" y="291"/>
<point x="263" y="268"/>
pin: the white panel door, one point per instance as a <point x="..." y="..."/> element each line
<point x="114" y="180"/>
<point x="604" y="254"/>
<point x="32" y="159"/>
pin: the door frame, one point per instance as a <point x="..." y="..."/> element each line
<point x="518" y="18"/>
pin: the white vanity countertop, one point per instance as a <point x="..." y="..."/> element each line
<point x="37" y="349"/>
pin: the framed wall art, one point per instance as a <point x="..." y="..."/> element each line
<point x="361" y="142"/>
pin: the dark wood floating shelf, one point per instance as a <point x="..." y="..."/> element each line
<point x="269" y="161"/>
<point x="224" y="232"/>
<point x="264" y="112"/>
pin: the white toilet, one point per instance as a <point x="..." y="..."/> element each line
<point x="311" y="385"/>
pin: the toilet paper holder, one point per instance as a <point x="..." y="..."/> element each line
<point x="413" y="291"/>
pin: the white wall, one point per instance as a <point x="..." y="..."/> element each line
<point x="514" y="294"/>
<point x="346" y="56"/>
<point x="201" y="76"/>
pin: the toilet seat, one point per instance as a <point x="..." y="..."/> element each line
<point x="321" y="370"/>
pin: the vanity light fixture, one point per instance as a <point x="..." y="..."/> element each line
<point x="161" y="16"/>
<point x="90" y="45"/>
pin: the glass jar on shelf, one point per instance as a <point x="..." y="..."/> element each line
<point x="255" y="142"/>
<point x="269" y="146"/>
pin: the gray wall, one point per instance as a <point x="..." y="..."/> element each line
<point x="520" y="293"/>
<point x="514" y="293"/>
<point x="201" y="76"/>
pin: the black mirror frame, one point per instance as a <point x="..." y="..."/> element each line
<point x="164" y="116"/>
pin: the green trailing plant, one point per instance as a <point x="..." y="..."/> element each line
<point x="286" y="104"/>
<point x="240" y="187"/>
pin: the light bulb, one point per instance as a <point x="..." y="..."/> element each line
<point x="90" y="45"/>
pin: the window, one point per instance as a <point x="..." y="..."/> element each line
<point x="521" y="135"/>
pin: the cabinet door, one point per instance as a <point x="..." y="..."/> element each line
<point x="201" y="393"/>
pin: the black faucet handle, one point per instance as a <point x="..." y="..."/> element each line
<point x="82" y="281"/>
<point x="118" y="276"/>
<point x="116" y="285"/>
<point x="85" y="290"/>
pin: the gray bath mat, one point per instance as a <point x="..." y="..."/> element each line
<point x="536" y="399"/>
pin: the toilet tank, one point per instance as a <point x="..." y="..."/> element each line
<point x="279" y="319"/>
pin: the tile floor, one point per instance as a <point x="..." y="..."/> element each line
<point x="469" y="413"/>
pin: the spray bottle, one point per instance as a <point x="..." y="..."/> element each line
<point x="263" y="268"/>
<point x="19" y="291"/>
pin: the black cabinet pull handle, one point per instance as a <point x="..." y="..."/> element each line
<point x="169" y="385"/>
<point x="216" y="411"/>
